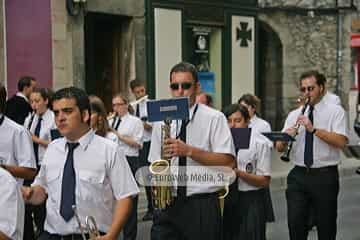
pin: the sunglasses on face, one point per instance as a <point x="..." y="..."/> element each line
<point x="309" y="89"/>
<point x="184" y="86"/>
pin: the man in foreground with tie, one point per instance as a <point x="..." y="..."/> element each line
<point x="202" y="141"/>
<point x="314" y="181"/>
<point x="82" y="170"/>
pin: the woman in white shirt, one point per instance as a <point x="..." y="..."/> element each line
<point x="98" y="119"/>
<point x="253" y="172"/>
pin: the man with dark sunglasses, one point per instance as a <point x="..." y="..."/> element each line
<point x="205" y="140"/>
<point x="314" y="181"/>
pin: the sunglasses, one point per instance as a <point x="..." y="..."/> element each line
<point x="309" y="89"/>
<point x="184" y="86"/>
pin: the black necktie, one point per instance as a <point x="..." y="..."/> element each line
<point x="137" y="113"/>
<point x="309" y="139"/>
<point x="68" y="185"/>
<point x="36" y="145"/>
<point x="181" y="190"/>
<point x="117" y="123"/>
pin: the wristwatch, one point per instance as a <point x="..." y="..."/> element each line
<point x="314" y="131"/>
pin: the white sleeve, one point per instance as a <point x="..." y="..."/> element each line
<point x="263" y="167"/>
<point x="155" y="146"/>
<point x="122" y="181"/>
<point x="139" y="132"/>
<point x="220" y="137"/>
<point x="24" y="151"/>
<point x="339" y="123"/>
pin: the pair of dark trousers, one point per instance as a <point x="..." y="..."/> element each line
<point x="195" y="217"/>
<point x="48" y="236"/>
<point x="143" y="159"/>
<point x="317" y="188"/>
<point x="130" y="227"/>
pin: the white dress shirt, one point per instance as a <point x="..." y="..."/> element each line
<point x="103" y="176"/>
<point x="47" y="123"/>
<point x="207" y="130"/>
<point x="259" y="124"/>
<point x="20" y="94"/>
<point x="16" y="148"/>
<point x="327" y="116"/>
<point x="133" y="127"/>
<point x="143" y="113"/>
<point x="256" y="159"/>
<point x="11" y="207"/>
<point x="330" y="97"/>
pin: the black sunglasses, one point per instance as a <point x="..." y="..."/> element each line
<point x="309" y="88"/>
<point x="184" y="85"/>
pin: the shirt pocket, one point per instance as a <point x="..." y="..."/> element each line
<point x="53" y="186"/>
<point x="91" y="185"/>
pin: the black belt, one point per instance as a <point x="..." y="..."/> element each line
<point x="74" y="236"/>
<point x="316" y="170"/>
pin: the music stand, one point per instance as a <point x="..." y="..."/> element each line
<point x="168" y="109"/>
<point x="279" y="136"/>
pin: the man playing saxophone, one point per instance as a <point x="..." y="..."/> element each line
<point x="81" y="171"/>
<point x="203" y="140"/>
<point x="314" y="180"/>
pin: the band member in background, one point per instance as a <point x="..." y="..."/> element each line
<point x="16" y="150"/>
<point x="129" y="130"/>
<point x="205" y="98"/>
<point x="84" y="170"/>
<point x="98" y="118"/>
<point x="39" y="126"/>
<point x="11" y="208"/>
<point x="204" y="141"/>
<point x="140" y="109"/>
<point x="18" y="106"/>
<point x="252" y="103"/>
<point x="314" y="181"/>
<point x="254" y="174"/>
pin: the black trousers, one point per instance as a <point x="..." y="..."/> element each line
<point x="130" y="227"/>
<point x="317" y="188"/>
<point x="196" y="217"/>
<point x="48" y="236"/>
<point x="143" y="160"/>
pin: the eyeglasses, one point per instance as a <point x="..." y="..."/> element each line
<point x="309" y="89"/>
<point x="184" y="85"/>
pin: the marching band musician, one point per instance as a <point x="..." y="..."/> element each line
<point x="11" y="208"/>
<point x="39" y="126"/>
<point x="16" y="150"/>
<point x="140" y="109"/>
<point x="314" y="181"/>
<point x="129" y="130"/>
<point x="204" y="141"/>
<point x="98" y="119"/>
<point x="84" y="170"/>
<point x="253" y="170"/>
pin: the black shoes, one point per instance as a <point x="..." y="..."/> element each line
<point x="148" y="216"/>
<point x="358" y="170"/>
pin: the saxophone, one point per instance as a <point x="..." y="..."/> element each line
<point x="161" y="189"/>
<point x="90" y="226"/>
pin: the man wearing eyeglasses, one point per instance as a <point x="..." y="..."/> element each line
<point x="314" y="180"/>
<point x="205" y="140"/>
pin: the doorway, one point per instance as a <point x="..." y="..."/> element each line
<point x="109" y="55"/>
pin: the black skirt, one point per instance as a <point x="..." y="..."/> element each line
<point x="252" y="211"/>
<point x="270" y="216"/>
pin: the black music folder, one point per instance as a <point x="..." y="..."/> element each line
<point x="241" y="137"/>
<point x="279" y="136"/>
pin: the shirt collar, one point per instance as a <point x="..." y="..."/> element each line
<point x="20" y="94"/>
<point x="84" y="140"/>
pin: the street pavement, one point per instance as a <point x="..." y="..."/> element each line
<point x="348" y="214"/>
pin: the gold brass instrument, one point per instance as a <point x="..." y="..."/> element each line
<point x="286" y="155"/>
<point x="161" y="189"/>
<point x="222" y="195"/>
<point x="90" y="226"/>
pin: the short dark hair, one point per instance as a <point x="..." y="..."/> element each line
<point x="135" y="83"/>
<point x="80" y="96"/>
<point x="25" y="81"/>
<point x="185" y="67"/>
<point x="232" y="108"/>
<point x="2" y="98"/>
<point x="319" y="77"/>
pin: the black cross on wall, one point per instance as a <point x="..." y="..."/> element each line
<point x="243" y="34"/>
